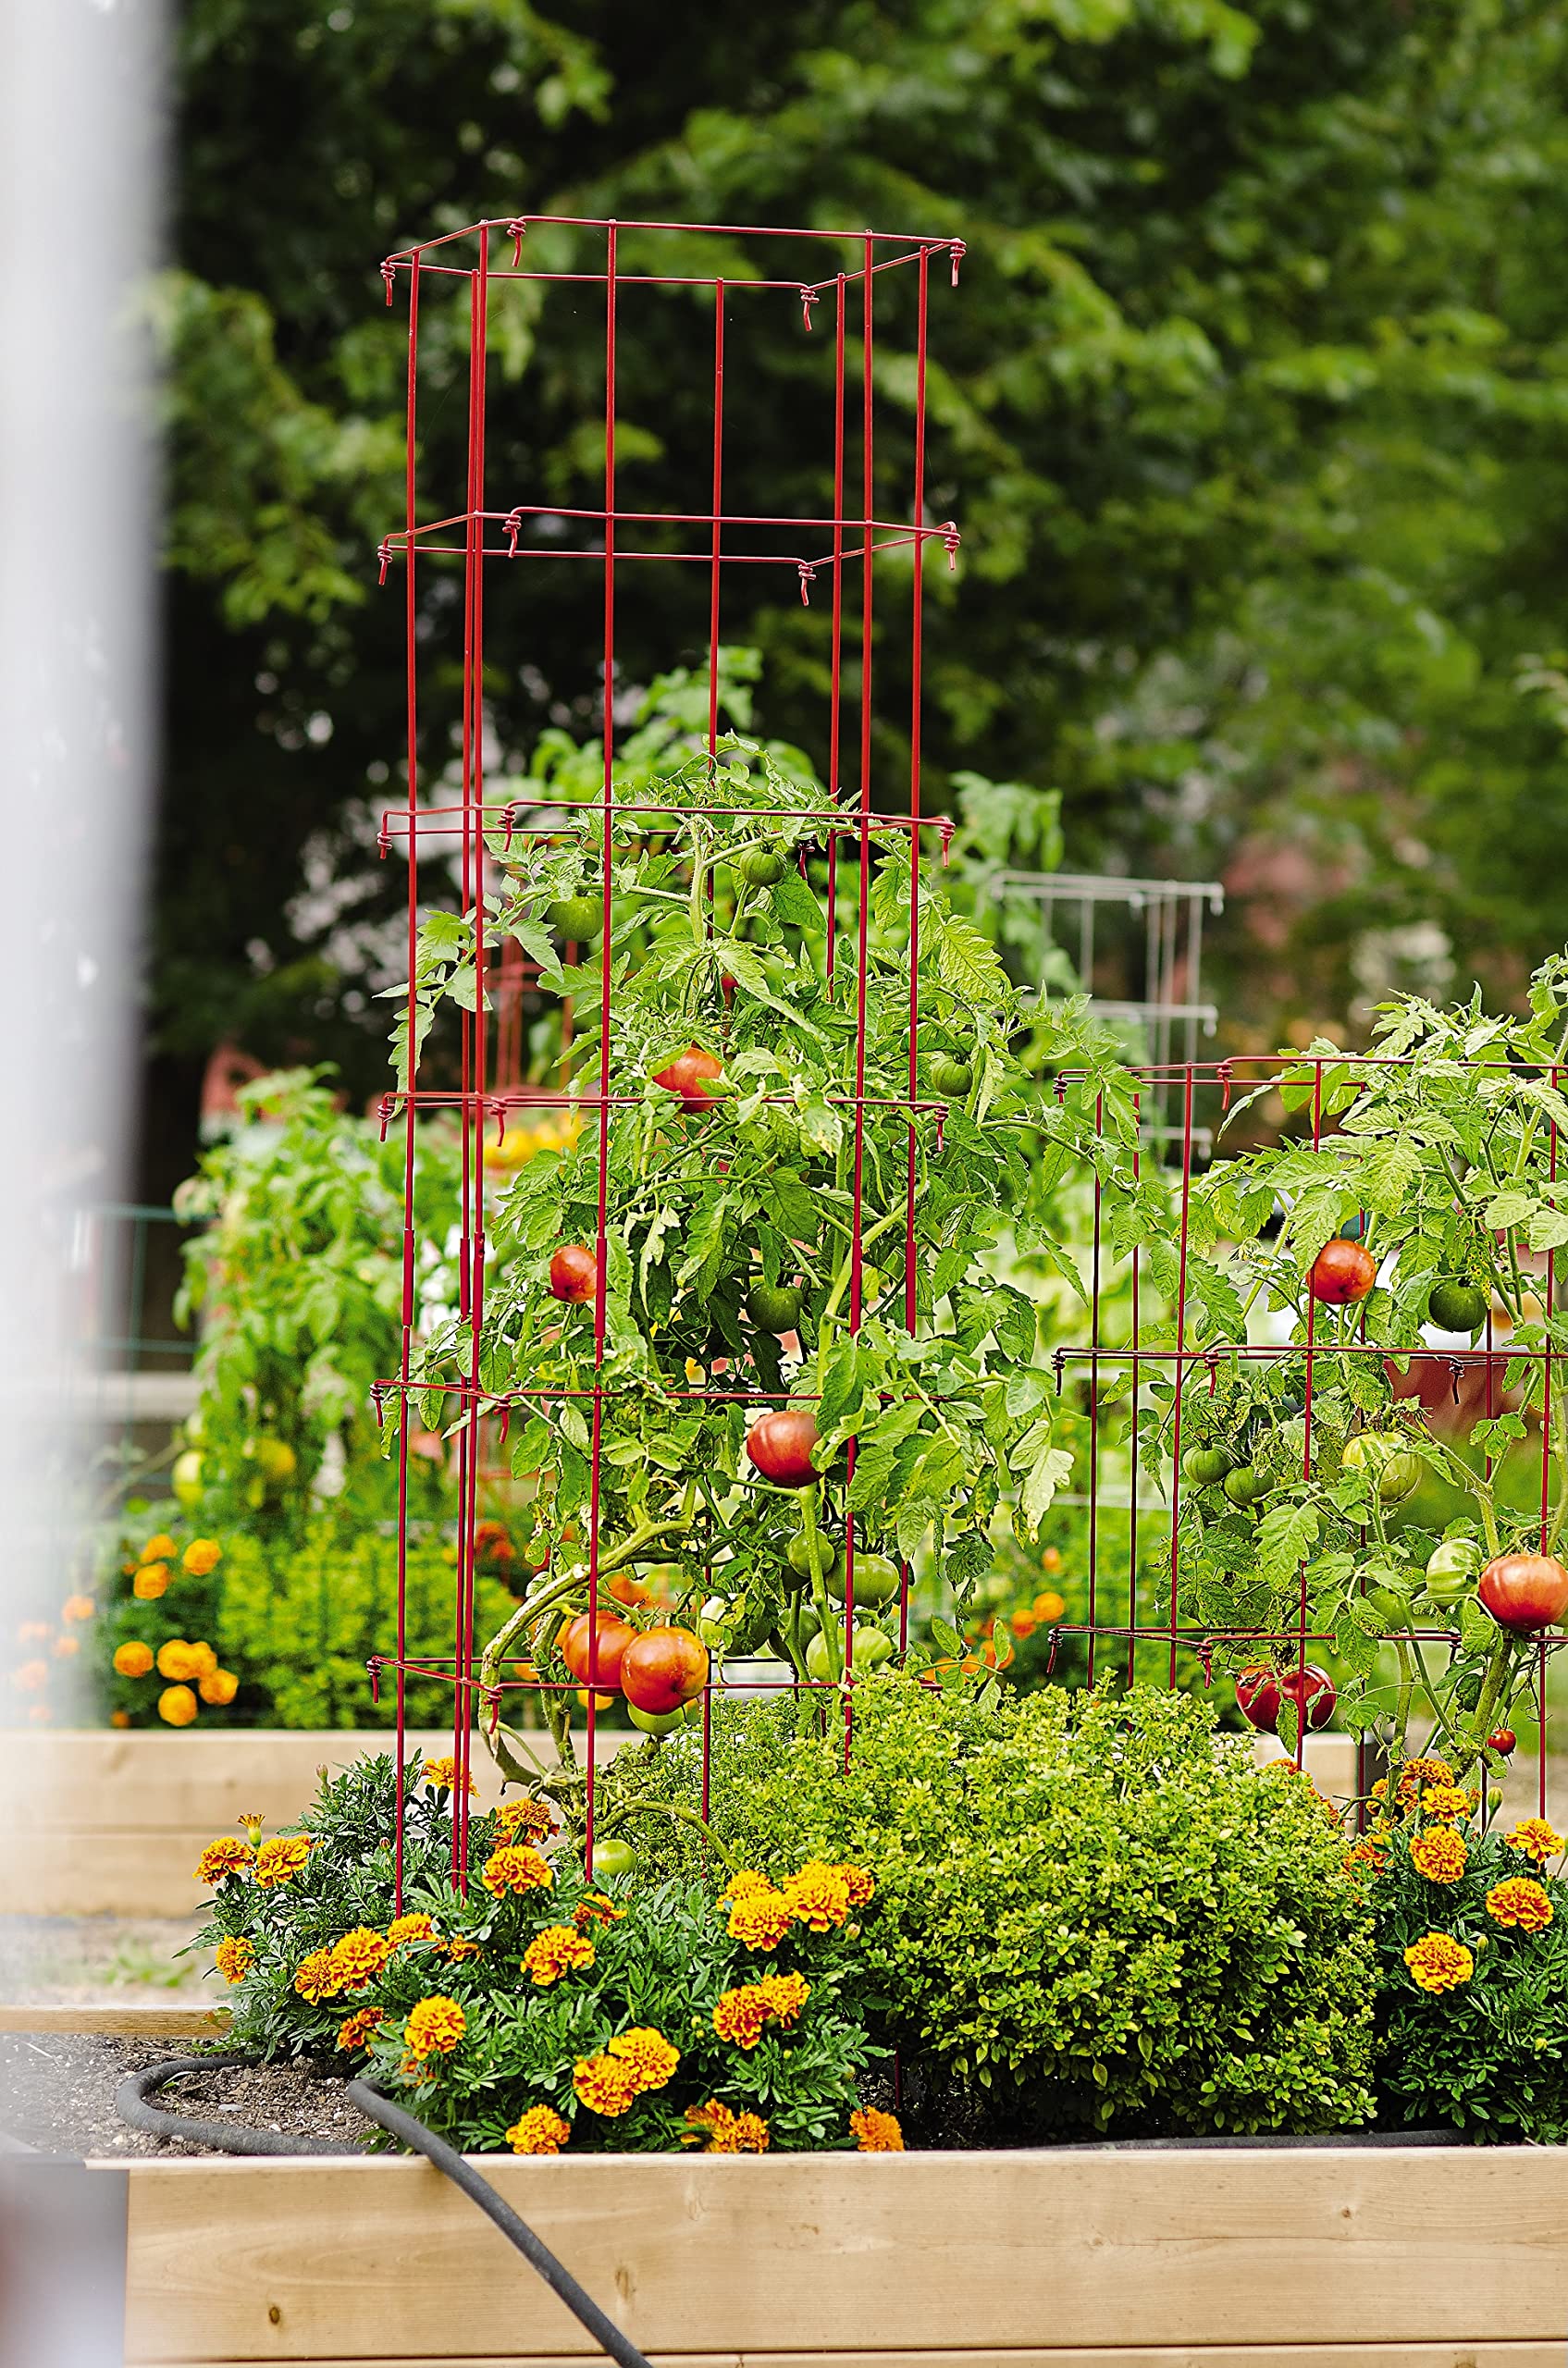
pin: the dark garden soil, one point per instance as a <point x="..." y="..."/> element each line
<point x="57" y="2094"/>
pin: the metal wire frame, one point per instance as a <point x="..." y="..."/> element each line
<point x="482" y="1094"/>
<point x="1156" y="1495"/>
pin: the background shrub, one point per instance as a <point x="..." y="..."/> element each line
<point x="1092" y="1914"/>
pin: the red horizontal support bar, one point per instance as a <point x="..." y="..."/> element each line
<point x="509" y="224"/>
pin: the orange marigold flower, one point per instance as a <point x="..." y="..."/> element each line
<point x="747" y="1884"/>
<point x="315" y="1978"/>
<point x="1520" y="1902"/>
<point x="77" y="1607"/>
<point x="219" y="1687"/>
<point x="201" y="1660"/>
<point x="150" y="1582"/>
<point x="876" y="2133"/>
<point x="459" y="1947"/>
<point x="1538" y="1840"/>
<point x="30" y="1676"/>
<point x="415" y="1927"/>
<point x="723" y="2131"/>
<point x="605" y="2085"/>
<point x="525" y="1820"/>
<point x="443" y="1774"/>
<point x="203" y="1554"/>
<point x="760" y="1918"/>
<point x="119" y="1718"/>
<point x="1426" y="1772"/>
<point x="1049" y="1606"/>
<point x="1368" y="1853"/>
<point x="648" y="2056"/>
<point x="176" y="1705"/>
<point x="355" y="2029"/>
<point x="174" y="1660"/>
<point x="541" y="2130"/>
<point x="226" y="1856"/>
<point x="741" y="2016"/>
<point x="1440" y="1963"/>
<point x="818" y="1895"/>
<point x="280" y="1860"/>
<point x="1022" y="1623"/>
<point x="861" y="1882"/>
<point x="594" y="1909"/>
<point x="234" y="1957"/>
<point x="133" y="1659"/>
<point x="516" y="1870"/>
<point x="1441" y="1856"/>
<point x="434" y="2028"/>
<point x="558" y="1949"/>
<point x="1445" y="1801"/>
<point x="161" y="1548"/>
<point x="359" y="1957"/>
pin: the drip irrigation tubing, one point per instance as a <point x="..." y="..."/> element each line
<point x="132" y="2102"/>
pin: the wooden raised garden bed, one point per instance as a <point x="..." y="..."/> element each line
<point x="1347" y="2257"/>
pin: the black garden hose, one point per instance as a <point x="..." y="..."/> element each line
<point x="131" y="2104"/>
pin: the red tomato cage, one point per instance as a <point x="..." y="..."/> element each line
<point x="823" y="289"/>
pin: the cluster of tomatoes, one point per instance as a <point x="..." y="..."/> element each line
<point x="658" y="1671"/>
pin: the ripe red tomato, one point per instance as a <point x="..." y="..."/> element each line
<point x="1524" y="1592"/>
<point x="685" y="1075"/>
<point x="1257" y="1698"/>
<point x="574" y="1273"/>
<point x="780" y="1446"/>
<point x="607" y="1651"/>
<point x="662" y="1669"/>
<point x="1311" y="1690"/>
<point x="1505" y="1741"/>
<point x="1343" y="1272"/>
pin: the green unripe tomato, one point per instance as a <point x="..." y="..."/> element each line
<point x="877" y="1580"/>
<point x="774" y="1307"/>
<point x="612" y="1859"/>
<point x="1204" y="1466"/>
<point x="711" y="1625"/>
<point x="1457" y="1307"/>
<point x="797" y="1554"/>
<point x="1245" y="1486"/>
<point x="1453" y="1570"/>
<point x="654" y="1722"/>
<point x="1398" y="1472"/>
<point x="578" y="918"/>
<point x="761" y="867"/>
<point x="1389" y="1606"/>
<point x="872" y="1646"/>
<point x="949" y="1076"/>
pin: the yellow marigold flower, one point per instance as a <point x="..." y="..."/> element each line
<point x="1425" y="1771"/>
<point x="317" y="1978"/>
<point x="434" y="2028"/>
<point x="459" y="1947"/>
<point x="174" y="1660"/>
<point x="1520" y="1902"/>
<point x="133" y="1659"/>
<point x="203" y="1554"/>
<point x="876" y="2133"/>
<point x="861" y="1882"/>
<point x="355" y="2029"/>
<point x="1441" y="1856"/>
<point x="1440" y="1963"/>
<point x="516" y="1870"/>
<point x="234" y="1957"/>
<point x="226" y="1856"/>
<point x="359" y="1957"/>
<point x="541" y="2130"/>
<point x="77" y="1607"/>
<point x="524" y="1822"/>
<point x="741" y="2016"/>
<point x="594" y="1909"/>
<point x="161" y="1548"/>
<point x="818" y="1895"/>
<point x="404" y="1928"/>
<point x="725" y="2132"/>
<point x="787" y="1993"/>
<point x="176" y="1705"/>
<point x="605" y="2085"/>
<point x="647" y="2054"/>
<point x="219" y="1687"/>
<point x="443" y="1774"/>
<point x="1538" y="1840"/>
<point x="557" y="1950"/>
<point x="150" y="1582"/>
<point x="1369" y="1852"/>
<point x="1445" y="1801"/>
<point x="280" y="1860"/>
<point x="747" y="1884"/>
<point x="760" y="1918"/>
<point x="201" y="1660"/>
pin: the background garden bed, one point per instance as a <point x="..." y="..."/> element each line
<point x="1245" y="2260"/>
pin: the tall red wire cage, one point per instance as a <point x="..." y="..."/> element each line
<point x="1139" y="1618"/>
<point x="841" y="546"/>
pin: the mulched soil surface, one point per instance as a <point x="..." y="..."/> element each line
<point x="57" y="2094"/>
